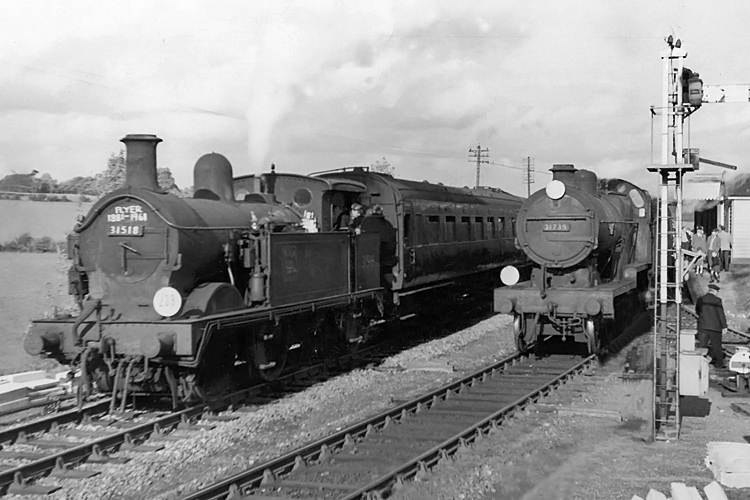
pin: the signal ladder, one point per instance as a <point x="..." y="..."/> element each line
<point x="667" y="314"/>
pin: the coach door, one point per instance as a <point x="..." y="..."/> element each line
<point x="407" y="250"/>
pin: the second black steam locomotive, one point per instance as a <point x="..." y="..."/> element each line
<point x="592" y="245"/>
<point x="186" y="296"/>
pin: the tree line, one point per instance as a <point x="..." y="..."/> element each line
<point x="110" y="179"/>
<point x="113" y="177"/>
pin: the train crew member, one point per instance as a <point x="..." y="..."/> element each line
<point x="714" y="255"/>
<point x="712" y="323"/>
<point x="725" y="240"/>
<point x="349" y="220"/>
<point x="699" y="245"/>
<point x="342" y="221"/>
<point x="356" y="213"/>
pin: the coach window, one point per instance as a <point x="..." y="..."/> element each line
<point x="501" y="227"/>
<point x="433" y="229"/>
<point x="513" y="226"/>
<point x="490" y="225"/>
<point x="465" y="229"/>
<point x="478" y="225"/>
<point x="450" y="228"/>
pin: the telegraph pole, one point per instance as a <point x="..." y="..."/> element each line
<point x="479" y="155"/>
<point x="528" y="175"/>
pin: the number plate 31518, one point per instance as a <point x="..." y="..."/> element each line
<point x="124" y="230"/>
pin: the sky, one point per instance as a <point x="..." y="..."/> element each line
<point x="324" y="84"/>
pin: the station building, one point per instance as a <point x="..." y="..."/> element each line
<point x="715" y="199"/>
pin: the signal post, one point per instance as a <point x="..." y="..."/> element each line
<point x="681" y="96"/>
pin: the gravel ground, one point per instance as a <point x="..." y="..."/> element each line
<point x="201" y="458"/>
<point x="543" y="454"/>
<point x="546" y="455"/>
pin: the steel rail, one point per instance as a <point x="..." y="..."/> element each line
<point x="21" y="474"/>
<point x="44" y="424"/>
<point x="464" y="438"/>
<point x="61" y="460"/>
<point x="17" y="478"/>
<point x="246" y="481"/>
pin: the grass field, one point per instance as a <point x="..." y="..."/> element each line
<point x="31" y="286"/>
<point x="39" y="219"/>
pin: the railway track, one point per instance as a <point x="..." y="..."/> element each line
<point x="94" y="434"/>
<point x="372" y="458"/>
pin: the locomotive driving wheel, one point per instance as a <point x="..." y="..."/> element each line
<point x="267" y="351"/>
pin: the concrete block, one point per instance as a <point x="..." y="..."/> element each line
<point x="11" y="392"/>
<point x="13" y="405"/>
<point x="39" y="385"/>
<point x="636" y="497"/>
<point x="679" y="491"/>
<point x="730" y="463"/>
<point x="714" y="491"/>
<point x="693" y="493"/>
<point x="27" y="376"/>
<point x="655" y="495"/>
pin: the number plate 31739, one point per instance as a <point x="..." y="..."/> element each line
<point x="556" y="227"/>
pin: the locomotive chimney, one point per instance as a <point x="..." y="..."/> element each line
<point x="140" y="163"/>
<point x="563" y="172"/>
<point x="212" y="178"/>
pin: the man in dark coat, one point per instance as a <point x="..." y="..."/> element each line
<point x="711" y="324"/>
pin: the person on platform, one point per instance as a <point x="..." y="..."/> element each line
<point x="714" y="255"/>
<point x="686" y="238"/>
<point x="712" y="324"/>
<point x="700" y="246"/>
<point x="725" y="240"/>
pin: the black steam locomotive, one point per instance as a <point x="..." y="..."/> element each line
<point x="591" y="243"/>
<point x="186" y="297"/>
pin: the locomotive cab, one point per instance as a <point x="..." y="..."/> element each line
<point x="320" y="198"/>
